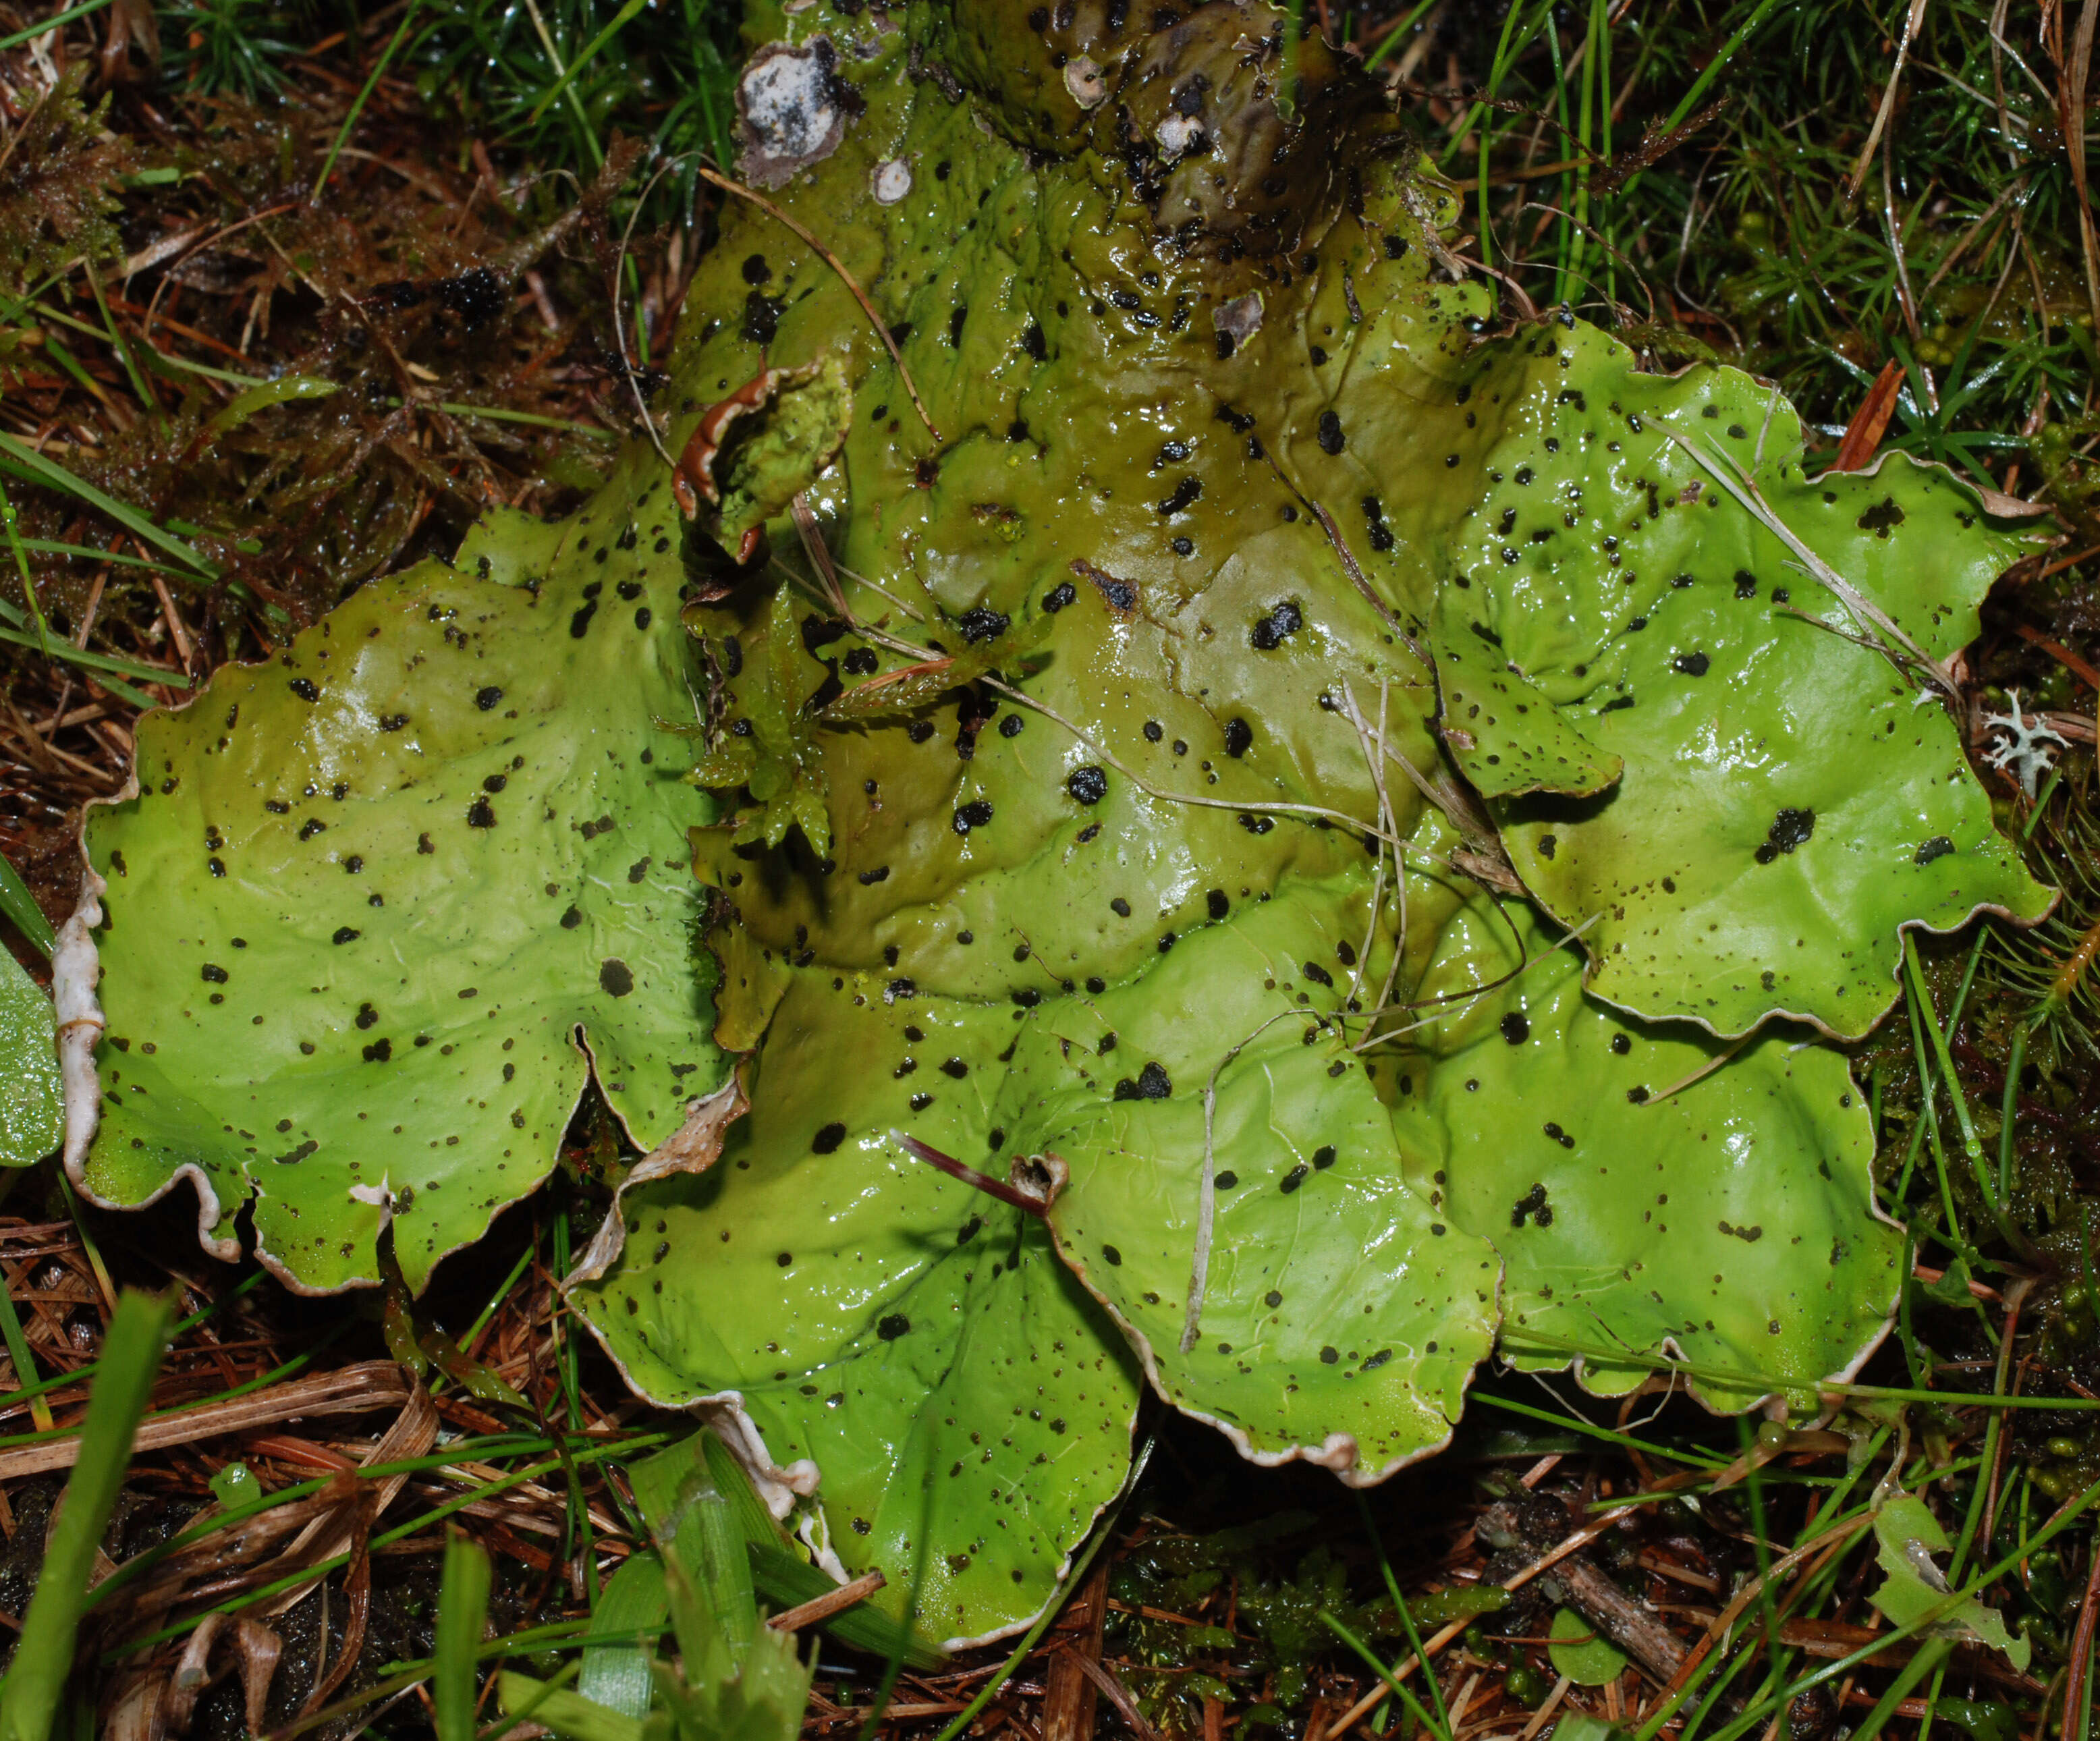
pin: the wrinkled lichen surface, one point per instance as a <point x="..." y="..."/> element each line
<point x="1371" y="820"/>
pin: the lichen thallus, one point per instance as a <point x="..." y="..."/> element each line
<point x="1478" y="859"/>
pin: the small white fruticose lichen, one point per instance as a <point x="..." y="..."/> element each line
<point x="2025" y="752"/>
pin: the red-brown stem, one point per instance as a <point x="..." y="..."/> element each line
<point x="970" y="1176"/>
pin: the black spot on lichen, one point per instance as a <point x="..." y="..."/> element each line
<point x="1790" y="829"/>
<point x="615" y="977"/>
<point x="1185" y="495"/>
<point x="981" y="622"/>
<point x="1882" y="517"/>
<point x="1271" y="631"/>
<point x="1152" y="1084"/>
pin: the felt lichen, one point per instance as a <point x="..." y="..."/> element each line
<point x="375" y="908"/>
<point x="1238" y="790"/>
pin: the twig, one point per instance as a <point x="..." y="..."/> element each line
<point x="353" y="1390"/>
<point x="969" y="1175"/>
<point x="1857" y="177"/>
<point x="824" y="1607"/>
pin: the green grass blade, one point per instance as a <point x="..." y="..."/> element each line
<point x="26" y="462"/>
<point x="1972" y="1145"/>
<point x="106" y="669"/>
<point x="22" y="569"/>
<point x="66" y="17"/>
<point x="1400" y="1687"/>
<point x="568" y="1714"/>
<point x="88" y="553"/>
<point x="18" y="1351"/>
<point x="20" y="908"/>
<point x="1626" y="1441"/>
<point x="1397" y="33"/>
<point x="462" y="1615"/>
<point x="616" y="1674"/>
<point x="780" y="1571"/>
<point x="36" y="1681"/>
<point x="364" y="96"/>
<point x="243" y="405"/>
<point x="1441" y="1727"/>
<point x="619" y="22"/>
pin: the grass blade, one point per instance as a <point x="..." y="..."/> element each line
<point x="20" y="908"/>
<point x="17" y="38"/>
<point x="26" y="462"/>
<point x="462" y="1615"/>
<point x="616" y="1674"/>
<point x="569" y="1715"/>
<point x="18" y="1352"/>
<point x="30" y="1696"/>
<point x="364" y="96"/>
<point x="619" y="22"/>
<point x="22" y="568"/>
<point x="105" y="668"/>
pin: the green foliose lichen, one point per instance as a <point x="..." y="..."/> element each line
<point x="1184" y="902"/>
<point x="1304" y="794"/>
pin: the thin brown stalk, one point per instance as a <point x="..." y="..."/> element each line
<point x="353" y="1390"/>
<point x="1857" y="177"/>
<point x="824" y="1607"/>
<point x="2071" y="116"/>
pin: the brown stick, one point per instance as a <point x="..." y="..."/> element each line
<point x="1115" y="1691"/>
<point x="370" y="1384"/>
<point x="969" y="1175"/>
<point x="1069" y="1698"/>
<point x="824" y="1607"/>
<point x="2081" y="1645"/>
